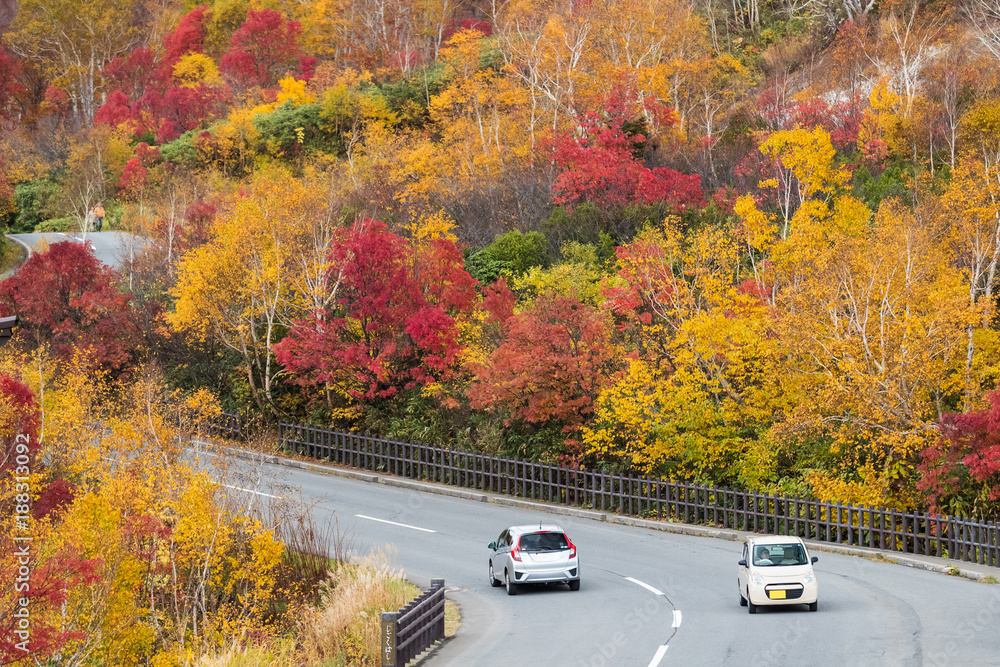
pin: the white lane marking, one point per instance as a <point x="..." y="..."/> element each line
<point x="393" y="523"/>
<point x="240" y="488"/>
<point x="644" y="585"/>
<point x="677" y="618"/>
<point x="660" y="652"/>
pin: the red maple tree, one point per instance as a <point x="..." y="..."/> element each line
<point x="67" y="298"/>
<point x="10" y="86"/>
<point x="600" y="164"/>
<point x="392" y="326"/>
<point x="145" y="93"/>
<point x="263" y="48"/>
<point x="556" y="358"/>
<point x="965" y="461"/>
<point x="19" y="421"/>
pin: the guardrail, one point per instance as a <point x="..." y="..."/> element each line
<point x="410" y="631"/>
<point x="229" y="425"/>
<point x="865" y="526"/>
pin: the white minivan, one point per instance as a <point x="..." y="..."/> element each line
<point x="776" y="570"/>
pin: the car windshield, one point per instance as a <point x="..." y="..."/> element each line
<point x="544" y="542"/>
<point x="779" y="554"/>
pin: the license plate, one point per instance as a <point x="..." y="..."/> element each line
<point x="776" y="595"/>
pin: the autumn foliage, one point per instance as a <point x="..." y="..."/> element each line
<point x="602" y="161"/>
<point x="68" y="300"/>
<point x="751" y="245"/>
<point x="962" y="469"/>
<point x="392" y="324"/>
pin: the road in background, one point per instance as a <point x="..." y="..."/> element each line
<point x="647" y="597"/>
<point x="112" y="248"/>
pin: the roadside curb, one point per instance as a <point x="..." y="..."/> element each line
<point x="964" y="569"/>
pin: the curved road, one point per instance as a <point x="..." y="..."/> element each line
<point x="112" y="248"/>
<point x="647" y="597"/>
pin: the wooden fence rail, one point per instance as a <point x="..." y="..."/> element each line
<point x="410" y="631"/>
<point x="651" y="497"/>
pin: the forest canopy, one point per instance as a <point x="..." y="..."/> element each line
<point x="750" y="244"/>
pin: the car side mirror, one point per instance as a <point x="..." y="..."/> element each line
<point x="815" y="558"/>
<point x="742" y="562"/>
<point x="493" y="545"/>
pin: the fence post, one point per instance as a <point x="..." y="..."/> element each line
<point x="437" y="632"/>
<point x="389" y="638"/>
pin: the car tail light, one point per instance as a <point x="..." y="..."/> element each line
<point x="572" y="547"/>
<point x="515" y="551"/>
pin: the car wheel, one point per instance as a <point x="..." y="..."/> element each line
<point x="813" y="606"/>
<point x="574" y="585"/>
<point x="493" y="579"/>
<point x="751" y="607"/>
<point x="511" y="586"/>
<point x="743" y="600"/>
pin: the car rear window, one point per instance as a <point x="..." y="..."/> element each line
<point x="544" y="542"/>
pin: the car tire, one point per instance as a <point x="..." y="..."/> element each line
<point x="511" y="586"/>
<point x="813" y="606"/>
<point x="574" y="585"/>
<point x="743" y="600"/>
<point x="494" y="582"/>
<point x="751" y="607"/>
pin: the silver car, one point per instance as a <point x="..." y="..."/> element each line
<point x="535" y="554"/>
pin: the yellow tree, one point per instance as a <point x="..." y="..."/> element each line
<point x="475" y="109"/>
<point x="650" y="42"/>
<point x="874" y="321"/>
<point x="353" y="110"/>
<point x="257" y="273"/>
<point x="971" y="213"/>
<point x="707" y="338"/>
<point x="480" y="117"/>
<point x="805" y="169"/>
<point x="906" y="35"/>
<point x="95" y="164"/>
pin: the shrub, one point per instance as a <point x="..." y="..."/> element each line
<point x="510" y="255"/>
<point x="57" y="225"/>
<point x="35" y="201"/>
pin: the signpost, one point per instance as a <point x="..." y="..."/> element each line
<point x="389" y="638"/>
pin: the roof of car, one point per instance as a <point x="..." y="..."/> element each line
<point x="536" y="528"/>
<point x="773" y="539"/>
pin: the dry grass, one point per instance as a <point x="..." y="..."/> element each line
<point x="452" y="618"/>
<point x="345" y="628"/>
<point x="253" y="656"/>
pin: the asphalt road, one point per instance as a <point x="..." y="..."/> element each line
<point x="647" y="597"/>
<point x="111" y="248"/>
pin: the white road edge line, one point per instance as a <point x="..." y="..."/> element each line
<point x="644" y="585"/>
<point x="677" y="618"/>
<point x="393" y="523"/>
<point x="240" y="488"/>
<point x="660" y="652"/>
